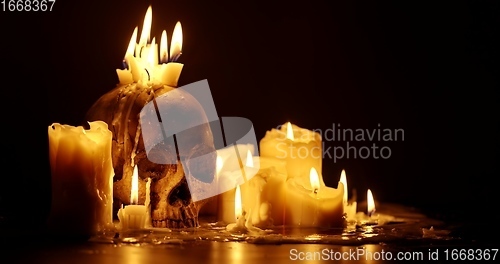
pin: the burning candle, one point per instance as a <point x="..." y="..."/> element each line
<point x="131" y="72"/>
<point x="299" y="147"/>
<point x="273" y="192"/>
<point x="263" y="195"/>
<point x="310" y="204"/>
<point x="253" y="199"/>
<point x="370" y="203"/>
<point x="349" y="207"/>
<point x="211" y="207"/>
<point x="239" y="214"/>
<point x="82" y="178"/>
<point x="227" y="183"/>
<point x="133" y="216"/>
<point x="231" y="175"/>
<point x="170" y="70"/>
<point x="144" y="66"/>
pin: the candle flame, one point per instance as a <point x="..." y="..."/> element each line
<point x="146" y="27"/>
<point x="370" y="202"/>
<point x="134" y="191"/>
<point x="289" y="131"/>
<point x="238" y="208"/>
<point x="343" y="180"/>
<point x="249" y="162"/>
<point x="131" y="44"/>
<point x="314" y="178"/>
<point x="176" y="45"/>
<point x="164" y="47"/>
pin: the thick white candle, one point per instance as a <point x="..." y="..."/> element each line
<point x="82" y="178"/>
<point x="263" y="196"/>
<point x="301" y="149"/>
<point x="228" y="177"/>
<point x="311" y="205"/>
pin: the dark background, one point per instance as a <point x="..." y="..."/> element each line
<point x="430" y="68"/>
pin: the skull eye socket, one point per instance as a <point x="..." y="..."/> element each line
<point x="180" y="194"/>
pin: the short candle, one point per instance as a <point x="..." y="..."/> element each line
<point x="133" y="216"/>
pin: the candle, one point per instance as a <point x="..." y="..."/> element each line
<point x="243" y="223"/>
<point x="299" y="147"/>
<point x="142" y="63"/>
<point x="147" y="203"/>
<point x="133" y="216"/>
<point x="370" y="203"/>
<point x="254" y="202"/>
<point x="211" y="207"/>
<point x="372" y="218"/>
<point x="309" y="204"/>
<point x="125" y="76"/>
<point x="239" y="214"/>
<point x="230" y="176"/>
<point x="82" y="178"/>
<point x="349" y="207"/>
<point x="263" y="195"/>
<point x="169" y="72"/>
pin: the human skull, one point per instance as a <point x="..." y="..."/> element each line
<point x="171" y="203"/>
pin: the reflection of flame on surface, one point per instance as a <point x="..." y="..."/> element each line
<point x="289" y="131"/>
<point x="314" y="178"/>
<point x="343" y="180"/>
<point x="238" y="208"/>
<point x="134" y="190"/>
<point x="370" y="203"/>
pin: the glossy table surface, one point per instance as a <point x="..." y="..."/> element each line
<point x="21" y="244"/>
<point x="225" y="252"/>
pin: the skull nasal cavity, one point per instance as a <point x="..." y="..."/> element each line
<point x="180" y="194"/>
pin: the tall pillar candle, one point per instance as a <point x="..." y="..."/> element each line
<point x="82" y="178"/>
<point x="300" y="148"/>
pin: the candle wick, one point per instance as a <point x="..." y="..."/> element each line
<point x="125" y="65"/>
<point x="315" y="191"/>
<point x="149" y="77"/>
<point x="140" y="51"/>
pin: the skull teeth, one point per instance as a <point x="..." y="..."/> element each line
<point x="177" y="217"/>
<point x="173" y="223"/>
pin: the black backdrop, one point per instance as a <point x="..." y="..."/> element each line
<point x="429" y="68"/>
